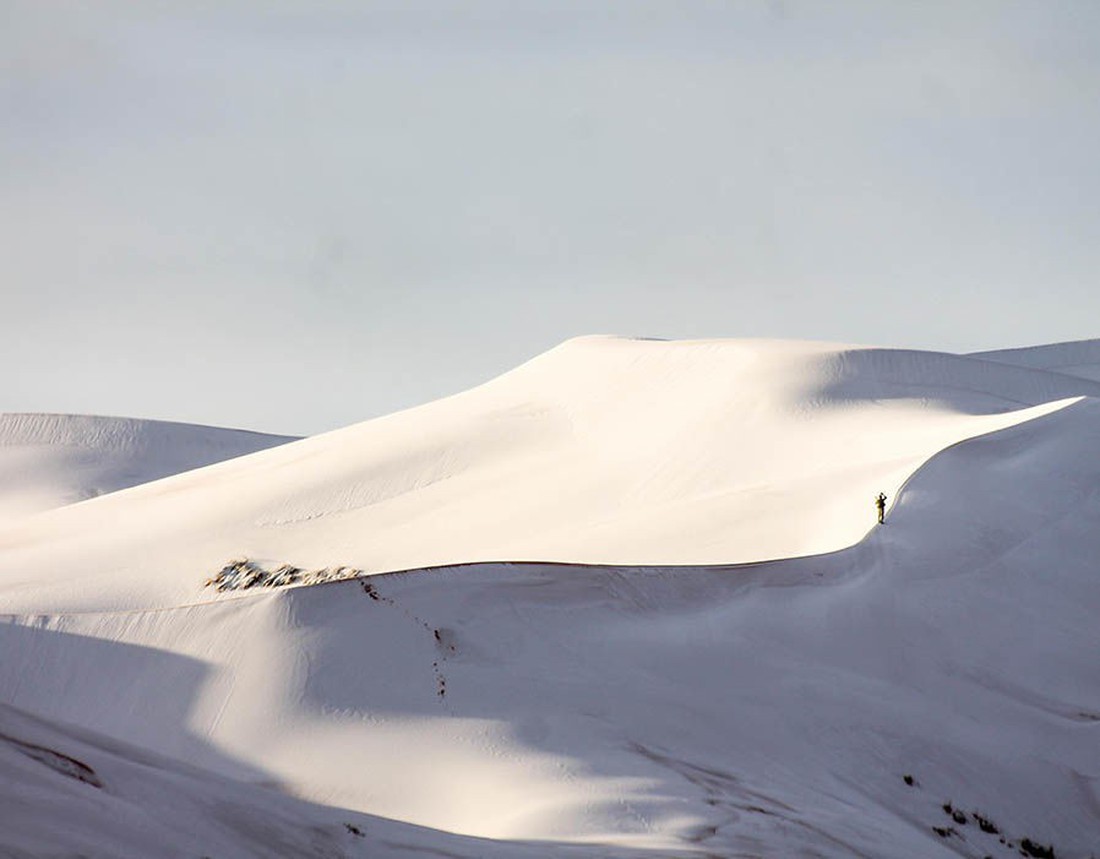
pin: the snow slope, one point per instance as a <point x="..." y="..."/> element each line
<point x="68" y="792"/>
<point x="49" y="461"/>
<point x="755" y="675"/>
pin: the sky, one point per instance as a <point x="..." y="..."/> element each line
<point x="293" y="216"/>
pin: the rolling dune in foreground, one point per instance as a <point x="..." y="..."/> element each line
<point x="627" y="600"/>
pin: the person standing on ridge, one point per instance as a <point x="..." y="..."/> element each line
<point x="880" y="503"/>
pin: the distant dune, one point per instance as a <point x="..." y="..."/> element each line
<point x="49" y="461"/>
<point x="627" y="600"/>
<point x="1078" y="358"/>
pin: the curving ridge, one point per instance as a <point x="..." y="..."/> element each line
<point x="1080" y="358"/>
<point x="643" y="710"/>
<point x="600" y="451"/>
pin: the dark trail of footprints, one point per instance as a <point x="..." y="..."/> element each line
<point x="442" y="643"/>
<point x="244" y="573"/>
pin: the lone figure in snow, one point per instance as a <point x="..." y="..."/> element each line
<point x="880" y="503"/>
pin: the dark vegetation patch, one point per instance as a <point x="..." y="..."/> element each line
<point x="1038" y="851"/>
<point x="985" y="824"/>
<point x="1025" y="846"/>
<point x="243" y="573"/>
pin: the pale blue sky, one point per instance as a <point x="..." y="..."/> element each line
<point x="291" y="216"/>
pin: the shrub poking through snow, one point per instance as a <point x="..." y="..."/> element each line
<point x="1030" y="848"/>
<point x="242" y="573"/>
<point x="985" y="824"/>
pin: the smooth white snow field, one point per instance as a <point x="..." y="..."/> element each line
<point x="628" y="599"/>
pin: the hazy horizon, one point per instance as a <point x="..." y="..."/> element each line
<point x="291" y="217"/>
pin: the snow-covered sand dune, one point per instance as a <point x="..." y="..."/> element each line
<point x="600" y="451"/>
<point x="49" y="461"/>
<point x="755" y="673"/>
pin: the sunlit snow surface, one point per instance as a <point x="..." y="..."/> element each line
<point x="626" y="600"/>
